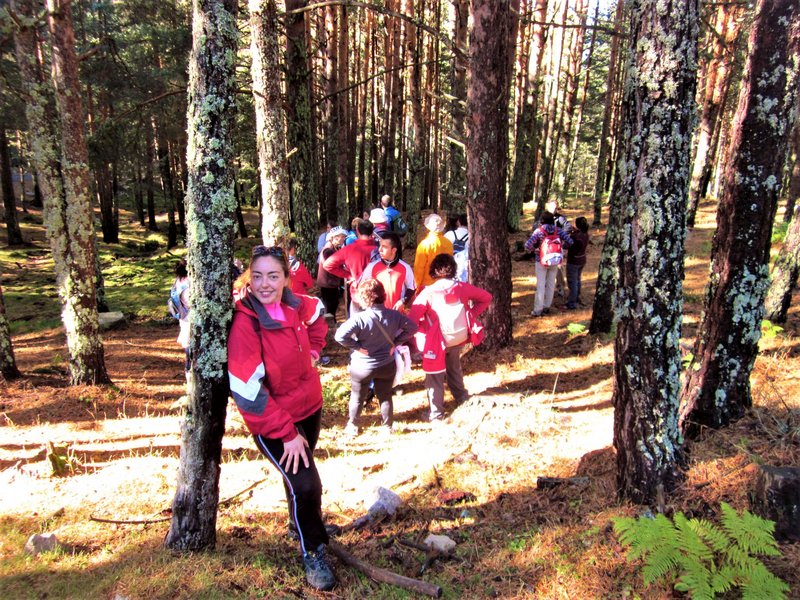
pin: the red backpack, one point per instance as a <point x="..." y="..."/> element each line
<point x="551" y="252"/>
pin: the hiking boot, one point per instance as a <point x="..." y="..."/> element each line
<point x="319" y="574"/>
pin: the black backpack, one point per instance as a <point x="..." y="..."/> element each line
<point x="459" y="244"/>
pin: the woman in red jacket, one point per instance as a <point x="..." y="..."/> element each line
<point x="446" y="313"/>
<point x="275" y="337"/>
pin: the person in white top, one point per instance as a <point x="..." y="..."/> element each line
<point x="457" y="231"/>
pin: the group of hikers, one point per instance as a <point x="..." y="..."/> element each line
<point x="395" y="314"/>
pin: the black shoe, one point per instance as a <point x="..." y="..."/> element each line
<point x="319" y="574"/>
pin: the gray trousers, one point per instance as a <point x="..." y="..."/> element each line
<point x="434" y="383"/>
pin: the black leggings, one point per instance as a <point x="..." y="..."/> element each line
<point x="330" y="298"/>
<point x="303" y="489"/>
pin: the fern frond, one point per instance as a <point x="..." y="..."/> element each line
<point x="711" y="534"/>
<point x="688" y="540"/>
<point x="660" y="561"/>
<point x="763" y="584"/>
<point x="694" y="579"/>
<point x="723" y="580"/>
<point x="750" y="532"/>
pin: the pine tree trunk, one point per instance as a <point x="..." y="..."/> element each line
<point x="9" y="201"/>
<point x="784" y="274"/>
<point x="717" y="388"/>
<point x="302" y="169"/>
<point x="8" y="365"/>
<point x="528" y="125"/>
<point x="270" y="118"/>
<point x="653" y="177"/>
<point x="417" y="160"/>
<point x="210" y="205"/>
<point x="605" y="142"/>
<point x="330" y="114"/>
<point x="719" y="68"/>
<point x="167" y="183"/>
<point x="74" y="245"/>
<point x="344" y="145"/>
<point x="456" y="177"/>
<point x="487" y="162"/>
<point x="793" y="189"/>
<point x="149" y="182"/>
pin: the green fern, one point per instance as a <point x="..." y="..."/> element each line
<point x="704" y="559"/>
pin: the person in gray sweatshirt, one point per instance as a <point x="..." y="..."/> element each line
<point x="372" y="336"/>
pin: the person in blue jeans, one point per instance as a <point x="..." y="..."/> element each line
<point x="576" y="260"/>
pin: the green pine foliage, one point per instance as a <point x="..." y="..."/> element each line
<point x="702" y="558"/>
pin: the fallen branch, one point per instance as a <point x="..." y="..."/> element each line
<point x="384" y="575"/>
<point x="247" y="489"/>
<point x="137" y="522"/>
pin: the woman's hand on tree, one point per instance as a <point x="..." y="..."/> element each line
<point x="293" y="451"/>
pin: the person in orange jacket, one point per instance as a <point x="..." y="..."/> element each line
<point x="433" y="244"/>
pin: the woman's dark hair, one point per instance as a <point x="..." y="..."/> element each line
<point x="275" y="252"/>
<point x="443" y="266"/>
<point x="180" y="269"/>
<point x="547" y="218"/>
<point x="395" y="241"/>
<point x="452" y="222"/>
<point x="364" y="227"/>
<point x="582" y="224"/>
<point x="370" y="292"/>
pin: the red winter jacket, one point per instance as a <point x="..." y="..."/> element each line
<point x="429" y="338"/>
<point x="269" y="363"/>
<point x="300" y="277"/>
<point x="349" y="262"/>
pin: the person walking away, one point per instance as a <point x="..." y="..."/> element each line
<point x="379" y="221"/>
<point x="394" y="274"/>
<point x="547" y="243"/>
<point x="178" y="306"/>
<point x="561" y="222"/>
<point x="330" y="285"/>
<point x="433" y="244"/>
<point x="576" y="260"/>
<point x="459" y="235"/>
<point x="349" y="262"/>
<point x="274" y="337"/>
<point x="446" y="313"/>
<point x="300" y="278"/>
<point x="373" y="335"/>
<point x="387" y="204"/>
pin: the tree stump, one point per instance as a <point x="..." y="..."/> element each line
<point x="777" y="497"/>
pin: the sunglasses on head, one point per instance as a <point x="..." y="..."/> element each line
<point x="261" y="250"/>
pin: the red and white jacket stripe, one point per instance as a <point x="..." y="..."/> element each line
<point x="271" y="375"/>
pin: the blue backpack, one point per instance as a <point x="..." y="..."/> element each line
<point x="177" y="309"/>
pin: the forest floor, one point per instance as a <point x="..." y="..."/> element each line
<point x="541" y="407"/>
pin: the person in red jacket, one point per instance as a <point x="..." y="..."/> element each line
<point x="300" y="277"/>
<point x="274" y="339"/>
<point x="349" y="262"/>
<point x="446" y="313"/>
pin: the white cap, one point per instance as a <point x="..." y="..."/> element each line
<point x="377" y="215"/>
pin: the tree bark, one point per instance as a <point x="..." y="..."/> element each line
<point x="302" y="170"/>
<point x="793" y="189"/>
<point x="652" y="182"/>
<point x="605" y="142"/>
<point x="784" y="274"/>
<point x="270" y="119"/>
<point x="8" y="364"/>
<point x="528" y="126"/>
<point x="210" y="216"/>
<point x="723" y="34"/>
<point x="77" y="239"/>
<point x="456" y="178"/>
<point x="420" y="141"/>
<point x="487" y="161"/>
<point x="9" y="201"/>
<point x="717" y="388"/>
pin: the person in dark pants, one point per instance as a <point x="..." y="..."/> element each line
<point x="576" y="260"/>
<point x="274" y="340"/>
<point x="372" y="335"/>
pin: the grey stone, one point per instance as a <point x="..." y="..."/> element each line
<point x="777" y="497"/>
<point x="440" y="543"/>
<point x="386" y="501"/>
<point x="109" y="320"/>
<point x="41" y="542"/>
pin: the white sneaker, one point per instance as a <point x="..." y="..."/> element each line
<point x="351" y="429"/>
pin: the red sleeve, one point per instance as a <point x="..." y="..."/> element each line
<point x="311" y="312"/>
<point x="480" y="298"/>
<point x="334" y="264"/>
<point x="301" y="279"/>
